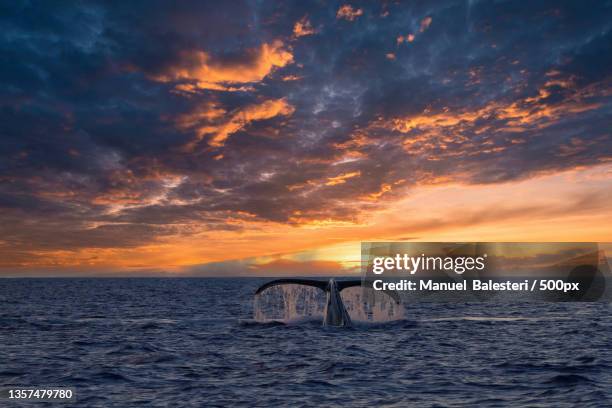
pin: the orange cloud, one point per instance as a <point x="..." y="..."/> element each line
<point x="303" y="28"/>
<point x="288" y="78"/>
<point x="425" y="23"/>
<point x="407" y="38"/>
<point x="347" y="12"/>
<point x="439" y="134"/>
<point x="568" y="206"/>
<point x="206" y="112"/>
<point x="202" y="72"/>
<point x="204" y="122"/>
<point x="383" y="189"/>
<point x="341" y="179"/>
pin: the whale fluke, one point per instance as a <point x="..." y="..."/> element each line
<point x="307" y="282"/>
<point x="335" y="312"/>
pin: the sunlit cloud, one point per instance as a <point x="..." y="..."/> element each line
<point x="201" y="71"/>
<point x="206" y="124"/>
<point x="425" y="23"/>
<point x="491" y="127"/>
<point x="408" y="38"/>
<point x="342" y="178"/>
<point x="529" y="210"/>
<point x="349" y="13"/>
<point x="303" y="27"/>
<point x="257" y="138"/>
<point x="383" y="189"/>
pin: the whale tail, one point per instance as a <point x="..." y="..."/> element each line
<point x="335" y="312"/>
<point x="323" y="285"/>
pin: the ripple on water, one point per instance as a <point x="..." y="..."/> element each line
<point x="141" y="342"/>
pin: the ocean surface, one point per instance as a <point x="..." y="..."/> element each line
<point x="192" y="342"/>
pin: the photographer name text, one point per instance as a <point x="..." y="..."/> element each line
<point x="527" y="285"/>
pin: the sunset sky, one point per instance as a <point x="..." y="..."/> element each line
<point x="270" y="138"/>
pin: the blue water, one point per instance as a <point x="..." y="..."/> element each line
<point x="188" y="342"/>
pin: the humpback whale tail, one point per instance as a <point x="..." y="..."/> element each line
<point x="335" y="313"/>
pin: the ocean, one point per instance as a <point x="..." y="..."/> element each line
<point x="192" y="342"/>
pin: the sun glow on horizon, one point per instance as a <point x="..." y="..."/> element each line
<point x="568" y="206"/>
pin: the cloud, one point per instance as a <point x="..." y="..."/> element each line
<point x="213" y="122"/>
<point x="404" y="38"/>
<point x="167" y="138"/>
<point x="496" y="128"/>
<point x="303" y="27"/>
<point x="425" y="23"/>
<point x="198" y="70"/>
<point x="349" y="13"/>
<point x="341" y="179"/>
<point x="269" y="268"/>
<point x="285" y="267"/>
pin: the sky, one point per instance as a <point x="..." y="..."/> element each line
<point x="271" y="138"/>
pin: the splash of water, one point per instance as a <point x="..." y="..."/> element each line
<point x="289" y="303"/>
<point x="368" y="305"/>
<point x="293" y="302"/>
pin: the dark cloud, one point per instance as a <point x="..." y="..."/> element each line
<point x="107" y="110"/>
<point x="274" y="268"/>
